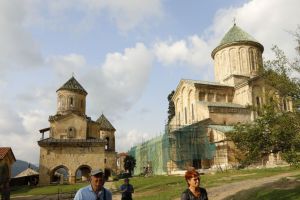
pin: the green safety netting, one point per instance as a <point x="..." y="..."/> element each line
<point x="178" y="144"/>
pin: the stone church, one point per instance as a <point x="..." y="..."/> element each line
<point x="76" y="143"/>
<point x="221" y="104"/>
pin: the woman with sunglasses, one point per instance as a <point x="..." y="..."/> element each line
<point x="194" y="191"/>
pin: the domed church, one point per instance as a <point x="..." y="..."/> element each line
<point x="218" y="105"/>
<point x="76" y="143"/>
<point x="205" y="111"/>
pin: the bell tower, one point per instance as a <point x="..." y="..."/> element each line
<point x="71" y="97"/>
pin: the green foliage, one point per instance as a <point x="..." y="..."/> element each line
<point x="283" y="75"/>
<point x="129" y="164"/>
<point x="171" y="109"/>
<point x="274" y="130"/>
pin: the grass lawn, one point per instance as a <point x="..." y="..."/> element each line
<point x="51" y="189"/>
<point x="170" y="187"/>
<point x="163" y="187"/>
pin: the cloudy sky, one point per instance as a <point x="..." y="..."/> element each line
<point x="128" y="55"/>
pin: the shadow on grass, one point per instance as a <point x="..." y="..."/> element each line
<point x="284" y="189"/>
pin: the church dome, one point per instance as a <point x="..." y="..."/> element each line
<point x="236" y="36"/>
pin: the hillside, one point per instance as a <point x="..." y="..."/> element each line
<point x="20" y="166"/>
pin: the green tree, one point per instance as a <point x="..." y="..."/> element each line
<point x="129" y="164"/>
<point x="171" y="109"/>
<point x="275" y="130"/>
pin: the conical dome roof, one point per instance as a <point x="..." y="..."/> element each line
<point x="73" y="85"/>
<point x="236" y="35"/>
<point x="104" y="123"/>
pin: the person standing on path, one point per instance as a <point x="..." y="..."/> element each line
<point x="194" y="191"/>
<point x="127" y="190"/>
<point x="96" y="190"/>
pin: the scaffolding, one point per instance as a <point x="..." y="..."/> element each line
<point x="176" y="149"/>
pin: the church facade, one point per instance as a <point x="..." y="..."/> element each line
<point x="205" y="111"/>
<point x="76" y="143"/>
<point x="227" y="101"/>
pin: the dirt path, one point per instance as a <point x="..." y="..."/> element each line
<point x="223" y="191"/>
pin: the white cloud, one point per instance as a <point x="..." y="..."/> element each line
<point x="119" y="82"/>
<point x="269" y="22"/>
<point x="192" y="52"/>
<point x="20" y="133"/>
<point x="65" y="66"/>
<point x="127" y="139"/>
<point x="125" y="14"/>
<point x="18" y="49"/>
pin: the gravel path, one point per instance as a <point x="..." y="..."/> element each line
<point x="223" y="191"/>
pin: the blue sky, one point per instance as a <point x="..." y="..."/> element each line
<point x="128" y="55"/>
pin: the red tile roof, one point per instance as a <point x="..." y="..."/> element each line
<point x="4" y="151"/>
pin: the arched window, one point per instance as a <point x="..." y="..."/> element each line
<point x="252" y="59"/>
<point x="201" y="96"/>
<point x="193" y="112"/>
<point x="185" y="115"/>
<point x="107" y="143"/>
<point x="258" y="105"/>
<point x="71" y="132"/>
<point x="284" y="105"/>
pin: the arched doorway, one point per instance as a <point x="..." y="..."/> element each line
<point x="59" y="175"/>
<point x="83" y="173"/>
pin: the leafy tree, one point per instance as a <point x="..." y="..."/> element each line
<point x="171" y="109"/>
<point x="275" y="130"/>
<point x="129" y="164"/>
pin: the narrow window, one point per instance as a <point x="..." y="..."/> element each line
<point x="284" y="105"/>
<point x="107" y="143"/>
<point x="258" y="105"/>
<point x="185" y="115"/>
<point x="258" y="102"/>
<point x="192" y="112"/>
<point x="71" y="101"/>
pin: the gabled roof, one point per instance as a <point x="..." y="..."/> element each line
<point x="222" y="104"/>
<point x="105" y="124"/>
<point x="73" y="85"/>
<point x="198" y="83"/>
<point x="27" y="172"/>
<point x="234" y="36"/>
<point x="4" y="151"/>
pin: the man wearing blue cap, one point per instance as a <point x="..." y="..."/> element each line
<point x="94" y="191"/>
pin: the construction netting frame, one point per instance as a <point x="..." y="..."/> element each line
<point x="180" y="145"/>
<point x="151" y="156"/>
<point x="190" y="144"/>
